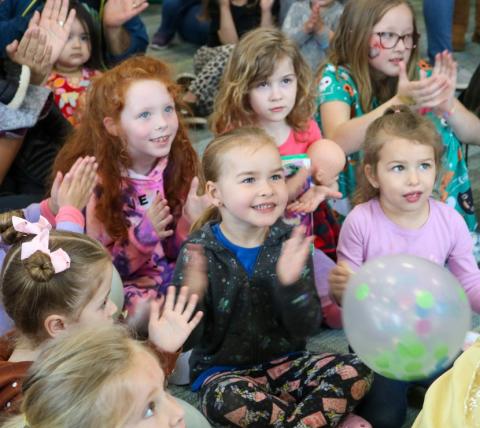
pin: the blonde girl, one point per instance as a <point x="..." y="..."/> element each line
<point x="402" y="158"/>
<point x="249" y="359"/>
<point x="373" y="65"/>
<point x="59" y="280"/>
<point x="146" y="197"/>
<point x="97" y="377"/>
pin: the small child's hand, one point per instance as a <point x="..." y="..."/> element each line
<point x="312" y="198"/>
<point x="76" y="187"/>
<point x="293" y="256"/>
<point x="338" y="279"/>
<point x="169" y="329"/>
<point x="195" y="271"/>
<point x="312" y="22"/>
<point x="195" y="205"/>
<point x="160" y="217"/>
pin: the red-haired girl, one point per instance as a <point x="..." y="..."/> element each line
<point x="146" y="194"/>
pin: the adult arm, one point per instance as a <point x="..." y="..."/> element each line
<point x="9" y="148"/>
<point x="266" y="19"/>
<point x="227" y="33"/>
<point x="123" y="30"/>
<point x="125" y="41"/>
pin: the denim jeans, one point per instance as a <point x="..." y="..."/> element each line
<point x="182" y="16"/>
<point x="438" y="20"/>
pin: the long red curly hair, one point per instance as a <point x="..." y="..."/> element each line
<point x="106" y="98"/>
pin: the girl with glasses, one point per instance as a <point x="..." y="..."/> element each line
<point x="373" y="65"/>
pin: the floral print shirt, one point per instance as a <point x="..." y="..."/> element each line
<point x="69" y="93"/>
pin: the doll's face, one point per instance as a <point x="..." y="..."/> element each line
<point x="328" y="160"/>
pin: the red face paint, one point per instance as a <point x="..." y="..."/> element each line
<point x="374" y="50"/>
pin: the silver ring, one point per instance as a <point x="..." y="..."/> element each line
<point x="61" y="23"/>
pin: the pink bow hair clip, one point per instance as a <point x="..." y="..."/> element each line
<point x="24" y="226"/>
<point x="60" y="259"/>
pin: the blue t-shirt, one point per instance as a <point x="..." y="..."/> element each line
<point x="246" y="256"/>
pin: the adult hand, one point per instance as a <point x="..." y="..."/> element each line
<point x="293" y="256"/>
<point x="57" y="22"/>
<point x="160" y="217"/>
<point x="117" y="12"/>
<point x="169" y="329"/>
<point x="33" y="52"/>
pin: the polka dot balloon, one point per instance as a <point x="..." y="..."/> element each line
<point x="405" y="316"/>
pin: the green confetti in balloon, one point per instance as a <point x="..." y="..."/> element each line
<point x="425" y="299"/>
<point x="362" y="292"/>
<point x="383" y="361"/>
<point x="462" y="295"/>
<point x="413" y="367"/>
<point x="441" y="352"/>
<point x="411" y="349"/>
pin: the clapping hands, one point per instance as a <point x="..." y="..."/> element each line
<point x="293" y="256"/>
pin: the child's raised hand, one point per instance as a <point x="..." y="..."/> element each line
<point x="117" y="12"/>
<point x="195" y="205"/>
<point x="195" y="270"/>
<point x="168" y="329"/>
<point x="447" y="67"/>
<point x="338" y="279"/>
<point x="160" y="217"/>
<point x="76" y="187"/>
<point x="312" y="198"/>
<point x="33" y="52"/>
<point x="428" y="92"/>
<point x="293" y="256"/>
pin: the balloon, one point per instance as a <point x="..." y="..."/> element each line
<point x="116" y="292"/>
<point x="405" y="317"/>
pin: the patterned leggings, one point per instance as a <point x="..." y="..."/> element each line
<point x="306" y="390"/>
<point x="208" y="66"/>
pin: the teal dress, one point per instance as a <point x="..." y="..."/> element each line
<point x="453" y="184"/>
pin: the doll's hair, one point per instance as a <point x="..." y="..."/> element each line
<point x="8" y="234"/>
<point x="213" y="157"/>
<point x="106" y="98"/>
<point x="253" y="60"/>
<point x="88" y="24"/>
<point x="397" y="122"/>
<point x="350" y="47"/>
<point x="82" y="379"/>
<point x="31" y="290"/>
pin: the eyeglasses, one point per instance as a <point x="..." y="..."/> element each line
<point x="389" y="40"/>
